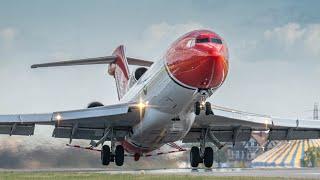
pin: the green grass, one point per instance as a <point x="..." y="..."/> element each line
<point x="98" y="176"/>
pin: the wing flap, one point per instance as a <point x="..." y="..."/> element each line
<point x="293" y="134"/>
<point x="26" y="118"/>
<point x="17" y="129"/>
<point x="222" y="135"/>
<point x="89" y="133"/>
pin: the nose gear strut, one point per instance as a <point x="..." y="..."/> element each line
<point x="202" y="104"/>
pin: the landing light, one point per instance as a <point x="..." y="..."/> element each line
<point x="203" y="103"/>
<point x="58" y="117"/>
<point x="142" y="104"/>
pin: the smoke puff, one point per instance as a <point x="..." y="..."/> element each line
<point x="44" y="152"/>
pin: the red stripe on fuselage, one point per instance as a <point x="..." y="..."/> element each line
<point x="133" y="149"/>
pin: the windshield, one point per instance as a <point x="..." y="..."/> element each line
<point x="206" y="40"/>
<point x="202" y="40"/>
<point x="216" y="40"/>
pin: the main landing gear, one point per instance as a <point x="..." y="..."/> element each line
<point x="204" y="154"/>
<point x="107" y="156"/>
<point x="206" y="106"/>
<point x="206" y="158"/>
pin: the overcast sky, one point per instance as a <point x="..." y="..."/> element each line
<point x="274" y="50"/>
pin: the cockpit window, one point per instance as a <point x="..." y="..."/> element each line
<point x="202" y="40"/>
<point x="206" y="40"/>
<point x="216" y="40"/>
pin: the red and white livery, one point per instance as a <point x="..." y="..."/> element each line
<point x="162" y="102"/>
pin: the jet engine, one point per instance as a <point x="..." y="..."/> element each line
<point x="94" y="104"/>
<point x="136" y="75"/>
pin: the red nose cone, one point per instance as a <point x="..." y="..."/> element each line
<point x="201" y="66"/>
<point x="200" y="72"/>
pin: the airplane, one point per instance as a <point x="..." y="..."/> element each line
<point x="162" y="102"/>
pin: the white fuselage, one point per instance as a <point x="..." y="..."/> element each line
<point x="169" y="114"/>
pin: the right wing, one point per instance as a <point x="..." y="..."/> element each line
<point x="97" y="60"/>
<point x="229" y="125"/>
<point x="88" y="123"/>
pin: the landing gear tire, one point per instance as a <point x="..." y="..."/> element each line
<point x="208" y="108"/>
<point x="197" y="108"/>
<point x="119" y="155"/>
<point x="105" y="155"/>
<point x="208" y="157"/>
<point x="195" y="158"/>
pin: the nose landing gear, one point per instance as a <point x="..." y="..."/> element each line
<point x="197" y="108"/>
<point x="206" y="106"/>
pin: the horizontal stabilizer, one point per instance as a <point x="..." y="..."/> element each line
<point x="139" y="62"/>
<point x="91" y="61"/>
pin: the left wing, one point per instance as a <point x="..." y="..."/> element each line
<point x="88" y="123"/>
<point x="228" y="125"/>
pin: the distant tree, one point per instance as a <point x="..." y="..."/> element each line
<point x="220" y="156"/>
<point x="312" y="157"/>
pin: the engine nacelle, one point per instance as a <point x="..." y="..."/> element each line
<point x="139" y="72"/>
<point x="111" y="69"/>
<point x="94" y="104"/>
<point x="136" y="75"/>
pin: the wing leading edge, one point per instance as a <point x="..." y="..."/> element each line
<point x="82" y="124"/>
<point x="229" y="125"/>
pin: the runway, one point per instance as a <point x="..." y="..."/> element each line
<point x="290" y="173"/>
<point x="310" y="173"/>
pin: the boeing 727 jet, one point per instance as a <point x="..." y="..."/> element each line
<point x="162" y="102"/>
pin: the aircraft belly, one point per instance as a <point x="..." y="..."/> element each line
<point x="157" y="129"/>
<point x="168" y="118"/>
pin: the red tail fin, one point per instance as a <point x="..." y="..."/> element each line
<point x="120" y="71"/>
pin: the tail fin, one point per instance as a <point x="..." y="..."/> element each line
<point x="120" y="71"/>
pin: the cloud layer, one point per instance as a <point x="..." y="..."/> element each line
<point x="288" y="42"/>
<point x="294" y="37"/>
<point x="156" y="38"/>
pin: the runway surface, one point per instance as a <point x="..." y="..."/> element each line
<point x="312" y="173"/>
